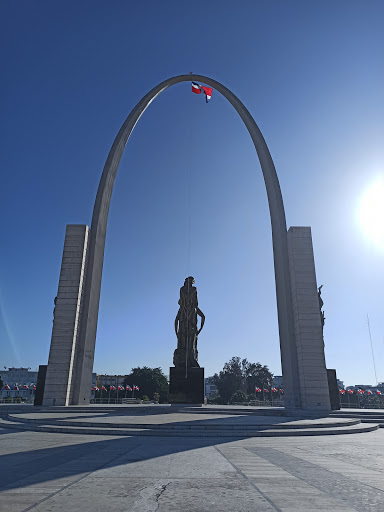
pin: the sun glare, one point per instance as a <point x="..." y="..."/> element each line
<point x="372" y="212"/>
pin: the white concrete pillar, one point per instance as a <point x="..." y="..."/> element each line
<point x="62" y="354"/>
<point x="308" y="329"/>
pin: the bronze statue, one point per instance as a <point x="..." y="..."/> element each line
<point x="321" y="303"/>
<point x="186" y="326"/>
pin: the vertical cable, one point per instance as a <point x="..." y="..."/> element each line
<point x="373" y="355"/>
<point x="189" y="223"/>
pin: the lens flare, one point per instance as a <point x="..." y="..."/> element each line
<point x="371" y="214"/>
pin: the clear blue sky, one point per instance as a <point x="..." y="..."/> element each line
<point x="311" y="74"/>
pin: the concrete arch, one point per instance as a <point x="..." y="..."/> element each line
<point x="91" y="297"/>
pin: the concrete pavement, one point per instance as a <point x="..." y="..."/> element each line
<point x="63" y="472"/>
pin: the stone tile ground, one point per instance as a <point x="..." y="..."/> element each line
<point x="62" y="472"/>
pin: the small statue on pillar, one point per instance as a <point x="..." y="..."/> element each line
<point x="186" y="327"/>
<point x="321" y="303"/>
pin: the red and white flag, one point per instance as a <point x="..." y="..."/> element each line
<point x="197" y="89"/>
<point x="128" y="388"/>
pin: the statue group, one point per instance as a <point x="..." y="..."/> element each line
<point x="186" y="326"/>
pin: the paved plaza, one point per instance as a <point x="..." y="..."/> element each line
<point x="50" y="471"/>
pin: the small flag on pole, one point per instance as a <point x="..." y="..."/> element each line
<point x="197" y="89"/>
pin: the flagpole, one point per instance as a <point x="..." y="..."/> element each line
<point x="373" y="355"/>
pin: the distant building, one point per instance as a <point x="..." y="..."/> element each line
<point x="277" y="381"/>
<point x="340" y="383"/>
<point x="109" y="380"/>
<point x="210" y="389"/>
<point x="20" y="380"/>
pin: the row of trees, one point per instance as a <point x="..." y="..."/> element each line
<point x="238" y="379"/>
<point x="235" y="383"/>
<point x="152" y="384"/>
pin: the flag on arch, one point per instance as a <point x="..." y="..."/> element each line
<point x="197" y="89"/>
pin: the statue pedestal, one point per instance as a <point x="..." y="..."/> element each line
<point x="188" y="390"/>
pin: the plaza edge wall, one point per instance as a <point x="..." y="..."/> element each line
<point x="62" y="355"/>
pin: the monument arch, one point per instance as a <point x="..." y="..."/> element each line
<point x="80" y="279"/>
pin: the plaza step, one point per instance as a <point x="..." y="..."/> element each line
<point x="165" y="431"/>
<point x="194" y="425"/>
<point x="365" y="416"/>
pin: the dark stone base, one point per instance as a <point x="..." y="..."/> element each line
<point x="40" y="384"/>
<point x="188" y="390"/>
<point x="334" y="395"/>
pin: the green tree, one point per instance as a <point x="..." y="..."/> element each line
<point x="241" y="375"/>
<point x="150" y="381"/>
<point x="230" y="378"/>
<point x="257" y="375"/>
<point x="239" y="396"/>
